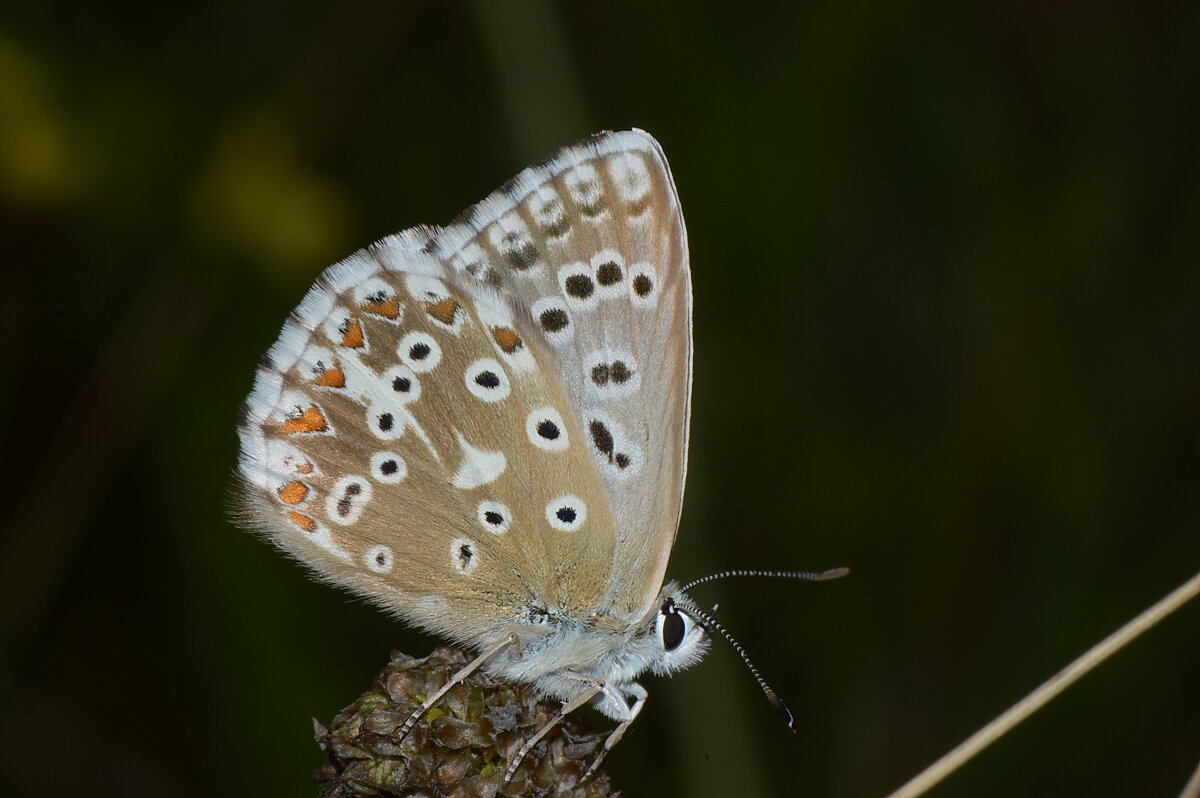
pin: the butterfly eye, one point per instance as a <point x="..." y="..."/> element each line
<point x="673" y="628"/>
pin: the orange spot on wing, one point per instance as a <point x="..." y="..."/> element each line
<point x="304" y="468"/>
<point x="332" y="377"/>
<point x="352" y="334"/>
<point x="507" y="339"/>
<point x="310" y="420"/>
<point x="388" y="307"/>
<point x="293" y="492"/>
<point x="303" y="521"/>
<point x="443" y="310"/>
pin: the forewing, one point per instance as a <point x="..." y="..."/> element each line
<point x="592" y="243"/>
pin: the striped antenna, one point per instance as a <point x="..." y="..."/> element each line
<point x="809" y="576"/>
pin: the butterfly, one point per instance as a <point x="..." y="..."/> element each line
<point x="483" y="429"/>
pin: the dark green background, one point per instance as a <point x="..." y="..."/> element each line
<point x="947" y="276"/>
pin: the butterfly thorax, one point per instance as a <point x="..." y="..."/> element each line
<point x="564" y="652"/>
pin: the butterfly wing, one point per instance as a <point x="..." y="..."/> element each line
<point x="408" y="439"/>
<point x="592" y="242"/>
<point x="476" y="425"/>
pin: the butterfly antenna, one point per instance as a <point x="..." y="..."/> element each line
<point x="810" y="576"/>
<point x="711" y="624"/>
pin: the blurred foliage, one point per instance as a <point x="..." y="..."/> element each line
<point x="947" y="272"/>
<point x="39" y="165"/>
<point x="256" y="198"/>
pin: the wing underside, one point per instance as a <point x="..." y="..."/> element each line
<point x="490" y="419"/>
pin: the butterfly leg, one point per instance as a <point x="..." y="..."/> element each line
<point x="639" y="699"/>
<point x="584" y="696"/>
<point x="457" y="678"/>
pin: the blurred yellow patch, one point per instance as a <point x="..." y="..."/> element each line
<point x="38" y="165"/>
<point x="257" y="196"/>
